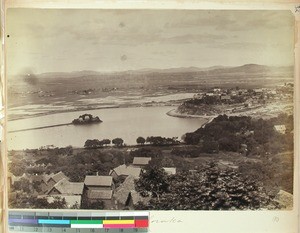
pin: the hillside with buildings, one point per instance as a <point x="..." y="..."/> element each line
<point x="260" y="102"/>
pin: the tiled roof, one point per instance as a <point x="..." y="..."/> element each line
<point x="141" y="160"/>
<point x="98" y="180"/>
<point x="128" y="188"/>
<point x="66" y="187"/>
<point x="100" y="194"/>
<point x="36" y="178"/>
<point x="124" y="170"/>
<point x="59" y="176"/>
<point x="122" y="192"/>
<point x="47" y="177"/>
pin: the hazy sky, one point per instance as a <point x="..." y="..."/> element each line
<point x="113" y="40"/>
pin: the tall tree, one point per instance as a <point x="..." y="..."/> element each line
<point x="141" y="140"/>
<point x="153" y="180"/>
<point x="118" y="141"/>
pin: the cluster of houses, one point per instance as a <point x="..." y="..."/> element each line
<point x="225" y="94"/>
<point x="95" y="187"/>
<point x="252" y="96"/>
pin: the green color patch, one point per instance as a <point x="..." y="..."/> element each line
<point x="86" y="222"/>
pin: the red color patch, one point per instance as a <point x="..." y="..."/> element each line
<point x="141" y="223"/>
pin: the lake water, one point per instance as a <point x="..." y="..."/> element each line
<point x="126" y="123"/>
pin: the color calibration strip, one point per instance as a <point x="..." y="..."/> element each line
<point x="80" y="220"/>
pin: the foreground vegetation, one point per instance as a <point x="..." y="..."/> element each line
<point x="232" y="162"/>
<point x="209" y="188"/>
<point x="244" y="134"/>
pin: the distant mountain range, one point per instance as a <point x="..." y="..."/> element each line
<point x="70" y="85"/>
<point x="209" y="71"/>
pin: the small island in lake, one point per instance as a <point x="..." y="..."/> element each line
<point x="86" y="119"/>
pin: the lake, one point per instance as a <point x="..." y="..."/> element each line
<point x="126" y="123"/>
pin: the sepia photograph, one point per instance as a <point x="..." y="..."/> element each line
<point x="140" y="109"/>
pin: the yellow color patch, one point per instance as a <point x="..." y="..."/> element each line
<point x="118" y="222"/>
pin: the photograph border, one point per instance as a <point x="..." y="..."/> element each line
<point x="179" y="221"/>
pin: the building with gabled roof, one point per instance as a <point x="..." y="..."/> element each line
<point x="53" y="179"/>
<point x="124" y="171"/>
<point x="104" y="195"/>
<point x="99" y="188"/>
<point x="98" y="182"/>
<point x="65" y="187"/>
<point x="140" y="161"/>
<point x="126" y="195"/>
<point x="280" y="128"/>
<point x="100" y="194"/>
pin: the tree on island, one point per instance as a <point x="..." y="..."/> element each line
<point x="141" y="140"/>
<point x="118" y="141"/>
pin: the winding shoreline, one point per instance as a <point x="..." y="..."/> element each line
<point x="173" y="113"/>
<point x="208" y="119"/>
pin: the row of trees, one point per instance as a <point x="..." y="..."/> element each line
<point x="158" y="141"/>
<point x="95" y="143"/>
<point x="152" y="140"/>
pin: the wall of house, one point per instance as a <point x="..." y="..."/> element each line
<point x="108" y="204"/>
<point x="54" y="191"/>
<point x="99" y="187"/>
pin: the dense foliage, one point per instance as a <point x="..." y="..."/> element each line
<point x="160" y="141"/>
<point x="118" y="141"/>
<point x="96" y="143"/>
<point x="140" y="140"/>
<point x="207" y="189"/>
<point x="243" y="134"/>
<point x="153" y="181"/>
